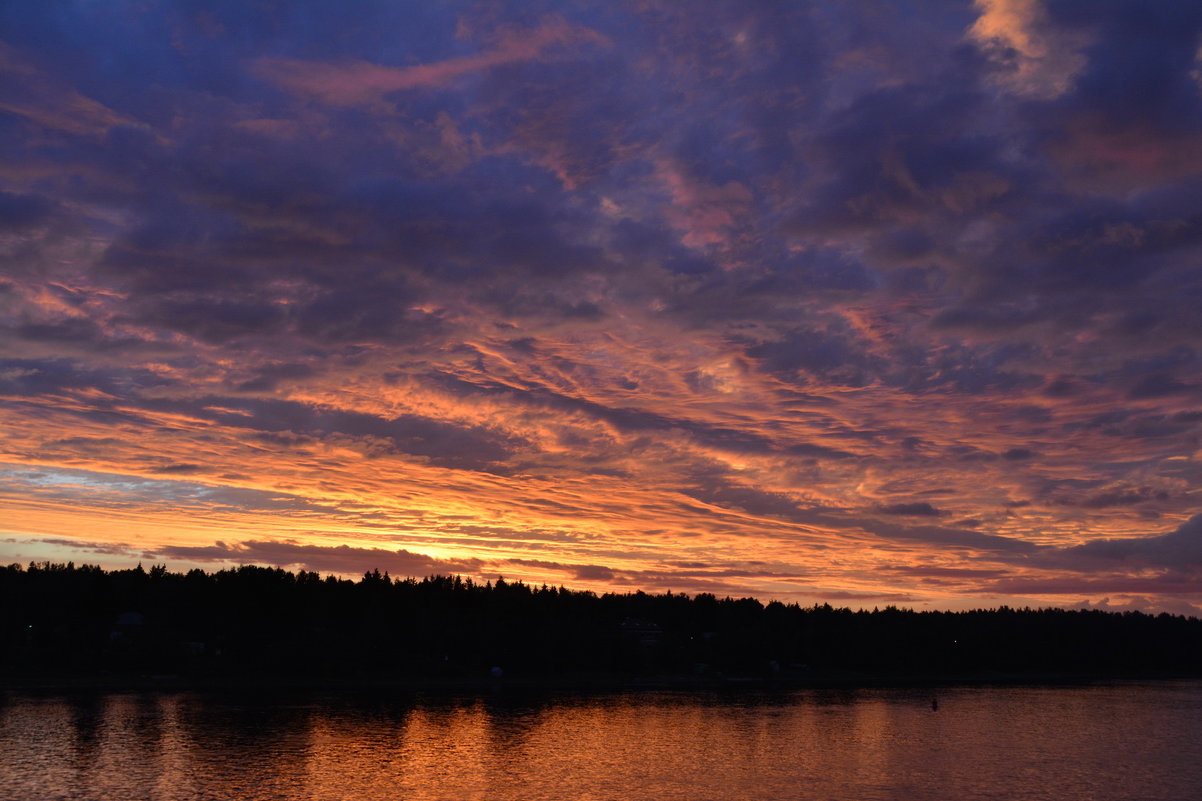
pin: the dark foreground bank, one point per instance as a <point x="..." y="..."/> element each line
<point x="62" y="625"/>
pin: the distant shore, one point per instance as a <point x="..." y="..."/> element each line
<point x="81" y="627"/>
<point x="578" y="683"/>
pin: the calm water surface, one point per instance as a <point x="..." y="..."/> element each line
<point x="1128" y="741"/>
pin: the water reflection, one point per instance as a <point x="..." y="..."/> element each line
<point x="1095" y="743"/>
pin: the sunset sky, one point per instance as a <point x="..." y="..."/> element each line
<point x="862" y="302"/>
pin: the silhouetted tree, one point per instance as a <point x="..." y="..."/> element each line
<point x="65" y="620"/>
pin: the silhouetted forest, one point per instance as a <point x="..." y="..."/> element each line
<point x="254" y="622"/>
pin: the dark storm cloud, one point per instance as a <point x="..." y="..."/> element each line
<point x="1180" y="549"/>
<point x="1166" y="565"/>
<point x="1018" y="454"/>
<point x="1170" y="585"/>
<point x="945" y="537"/>
<point x="917" y="509"/>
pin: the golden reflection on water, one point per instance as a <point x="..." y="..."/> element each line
<point x="1096" y="743"/>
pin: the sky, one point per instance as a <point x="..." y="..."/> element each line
<point x="861" y="303"/>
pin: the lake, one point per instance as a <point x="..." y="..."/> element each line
<point x="1116" y="741"/>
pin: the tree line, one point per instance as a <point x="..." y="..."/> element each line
<point x="63" y="620"/>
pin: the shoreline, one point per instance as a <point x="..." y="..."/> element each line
<point x="577" y="684"/>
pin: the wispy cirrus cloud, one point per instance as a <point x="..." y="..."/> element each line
<point x="358" y="82"/>
<point x="34" y="94"/>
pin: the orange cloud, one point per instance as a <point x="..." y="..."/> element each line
<point x="1033" y="60"/>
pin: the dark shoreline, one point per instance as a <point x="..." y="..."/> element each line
<point x="576" y="684"/>
<point x="255" y="628"/>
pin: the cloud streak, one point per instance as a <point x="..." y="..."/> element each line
<point x="359" y="82"/>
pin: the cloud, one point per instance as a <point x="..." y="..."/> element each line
<point x="360" y="82"/>
<point x="967" y="573"/>
<point x="1123" y="497"/>
<point x="704" y="213"/>
<point x="1180" y="549"/>
<point x="589" y="572"/>
<point x="32" y="94"/>
<point x="944" y="537"/>
<point x="1018" y="454"/>
<point x="20" y="211"/>
<point x="118" y="549"/>
<point x="110" y="491"/>
<point x="442" y="442"/>
<point x="1109" y="585"/>
<point x="917" y="509"/>
<point x="340" y="559"/>
<point x="1144" y="604"/>
<point x="1032" y="57"/>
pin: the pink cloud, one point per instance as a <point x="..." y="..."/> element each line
<point x="704" y="213"/>
<point x="1107" y="585"/>
<point x="360" y="82"/>
<point x="1107" y="157"/>
<point x="27" y="92"/>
